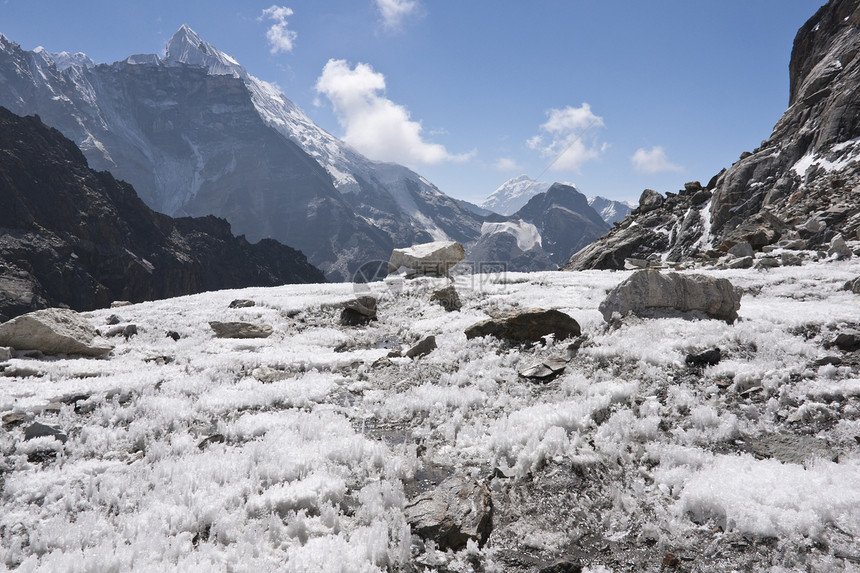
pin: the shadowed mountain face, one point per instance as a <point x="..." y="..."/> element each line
<point x="808" y="169"/>
<point x="72" y="236"/>
<point x="196" y="135"/>
<point x="543" y="234"/>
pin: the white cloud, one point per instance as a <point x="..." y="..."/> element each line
<point x="375" y="125"/>
<point x="280" y="38"/>
<point x="569" y="138"/>
<point x="394" y="12"/>
<point x="653" y="160"/>
<point x="507" y="164"/>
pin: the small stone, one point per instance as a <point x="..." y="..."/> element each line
<point x="240" y="330"/>
<point x="669" y="560"/>
<point x="448" y="298"/>
<point x="213" y="439"/>
<point x="847" y="341"/>
<point x="173" y="334"/>
<point x="839" y="248"/>
<point x="706" y="358"/>
<point x="14" y="419"/>
<point x="767" y="263"/>
<point x="457" y="511"/>
<point x="790" y="260"/>
<point x="113" y="319"/>
<point x="692" y="186"/>
<point x="5" y="353"/>
<point x="359" y="311"/>
<point x="741" y="250"/>
<point x="741" y="263"/>
<point x="563" y="566"/>
<point x="120" y="303"/>
<point x="129" y="331"/>
<point x="242" y="303"/>
<point x="853" y="286"/>
<point x="423" y="348"/>
<point x="544" y="370"/>
<point x="39" y="430"/>
<point x="700" y="197"/>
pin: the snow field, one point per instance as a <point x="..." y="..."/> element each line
<point x="314" y="450"/>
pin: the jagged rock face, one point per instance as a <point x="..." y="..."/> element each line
<point x="196" y="135"/>
<point x="809" y="168"/>
<point x="74" y="236"/>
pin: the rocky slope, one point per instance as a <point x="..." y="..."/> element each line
<point x="801" y="184"/>
<point x="196" y="134"/>
<point x="73" y="236"/>
<point x="542" y="234"/>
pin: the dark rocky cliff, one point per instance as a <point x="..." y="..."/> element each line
<point x="801" y="184"/>
<point x="73" y="236"/>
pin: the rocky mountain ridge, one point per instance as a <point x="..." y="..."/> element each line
<point x="72" y="236"/>
<point x="196" y="134"/>
<point x="798" y="189"/>
<point x="542" y="234"/>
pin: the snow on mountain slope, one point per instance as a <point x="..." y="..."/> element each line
<point x="610" y="210"/>
<point x="526" y="234"/>
<point x="513" y="194"/>
<point x="417" y="199"/>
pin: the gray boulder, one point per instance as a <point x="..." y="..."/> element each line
<point x="650" y="200"/>
<point x="839" y="248"/>
<point x="432" y="259"/>
<point x="743" y="249"/>
<point x="447" y="297"/>
<point x="651" y="293"/>
<point x="240" y="329"/>
<point x="527" y="326"/>
<point x="53" y="331"/>
<point x="455" y="512"/>
<point x="544" y="370"/>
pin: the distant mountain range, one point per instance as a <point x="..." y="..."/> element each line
<point x="543" y="234"/>
<point x="195" y="134"/>
<point x="72" y="236"/>
<point x="513" y="194"/>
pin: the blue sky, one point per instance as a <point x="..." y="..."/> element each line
<point x="614" y="96"/>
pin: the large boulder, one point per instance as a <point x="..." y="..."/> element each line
<point x="428" y="258"/>
<point x="359" y="311"/>
<point x="457" y="511"/>
<point x="53" y="331"/>
<point x="527" y="326"/>
<point x="652" y="293"/>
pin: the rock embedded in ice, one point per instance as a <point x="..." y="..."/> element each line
<point x="447" y="297"/>
<point x="544" y="370"/>
<point x="527" y="326"/>
<point x="847" y="341"/>
<point x="650" y="293"/>
<point x="457" y="511"/>
<point x="40" y="430"/>
<point x="741" y="263"/>
<point x="432" y="259"/>
<point x="240" y="329"/>
<point x="853" y="285"/>
<point x="358" y="311"/>
<point x="564" y="566"/>
<point x="706" y="358"/>
<point x="53" y="331"/>
<point x="790" y="260"/>
<point x="767" y="263"/>
<point x="791" y="448"/>
<point x="423" y="348"/>
<point x="242" y="303"/>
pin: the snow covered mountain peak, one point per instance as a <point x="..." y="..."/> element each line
<point x="186" y="47"/>
<point x="513" y="194"/>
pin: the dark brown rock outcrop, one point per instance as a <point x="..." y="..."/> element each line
<point x="76" y="237"/>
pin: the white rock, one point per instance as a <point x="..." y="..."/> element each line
<point x="53" y="331"/>
<point x="428" y="258"/>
